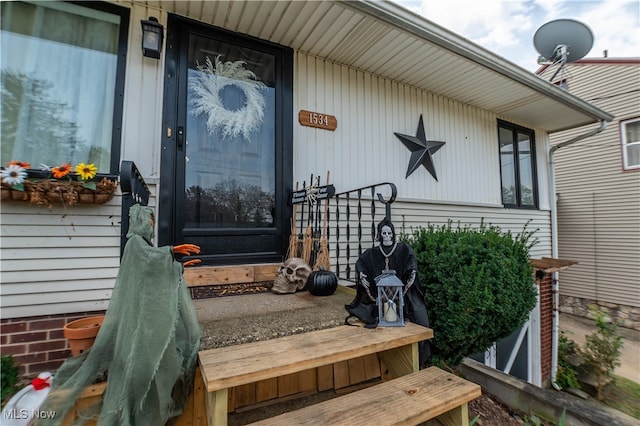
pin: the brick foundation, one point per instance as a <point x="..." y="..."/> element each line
<point x="546" y="325"/>
<point x="37" y="343"/>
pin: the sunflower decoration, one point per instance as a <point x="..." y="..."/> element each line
<point x="87" y="172"/>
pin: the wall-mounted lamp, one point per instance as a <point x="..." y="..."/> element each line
<point x="152" y="35"/>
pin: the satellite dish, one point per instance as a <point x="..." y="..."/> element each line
<point x="563" y="38"/>
<point x="562" y="41"/>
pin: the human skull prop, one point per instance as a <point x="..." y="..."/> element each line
<point x="291" y="276"/>
<point x="387" y="236"/>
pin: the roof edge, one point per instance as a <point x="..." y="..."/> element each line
<point x="408" y="21"/>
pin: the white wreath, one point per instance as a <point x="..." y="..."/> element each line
<point x="206" y="87"/>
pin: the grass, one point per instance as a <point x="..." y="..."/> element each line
<point x="623" y="395"/>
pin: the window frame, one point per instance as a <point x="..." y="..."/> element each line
<point x="624" y="144"/>
<point x="118" y="100"/>
<point x="515" y="129"/>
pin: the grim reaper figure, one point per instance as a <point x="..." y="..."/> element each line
<point x="393" y="255"/>
<point x="148" y="344"/>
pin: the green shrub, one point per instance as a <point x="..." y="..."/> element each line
<point x="9" y="376"/>
<point x="601" y="351"/>
<point x="566" y="375"/>
<point x="479" y="286"/>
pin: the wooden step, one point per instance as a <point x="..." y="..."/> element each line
<point x="197" y="276"/>
<point x="407" y="400"/>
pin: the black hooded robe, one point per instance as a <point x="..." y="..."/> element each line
<point x="403" y="261"/>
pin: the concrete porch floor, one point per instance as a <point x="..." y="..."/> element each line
<point x="240" y="319"/>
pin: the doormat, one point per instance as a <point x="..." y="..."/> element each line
<point x="221" y="290"/>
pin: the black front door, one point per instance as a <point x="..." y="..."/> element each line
<point x="227" y="145"/>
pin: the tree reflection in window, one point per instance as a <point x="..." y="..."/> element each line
<point x="25" y="96"/>
<point x="229" y="204"/>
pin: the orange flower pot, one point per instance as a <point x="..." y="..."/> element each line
<point x="82" y="333"/>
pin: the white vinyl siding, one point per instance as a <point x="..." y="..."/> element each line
<point x="59" y="260"/>
<point x="363" y="150"/>
<point x="66" y="260"/>
<point x="598" y="201"/>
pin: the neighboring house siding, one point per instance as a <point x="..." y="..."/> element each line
<point x="598" y="202"/>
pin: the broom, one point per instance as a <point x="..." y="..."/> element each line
<point x="323" y="261"/>
<point x="292" y="251"/>
<point x="307" y="243"/>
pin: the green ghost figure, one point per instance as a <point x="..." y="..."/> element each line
<point x="147" y="346"/>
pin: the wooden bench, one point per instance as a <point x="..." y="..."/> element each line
<point x="407" y="400"/>
<point x="232" y="366"/>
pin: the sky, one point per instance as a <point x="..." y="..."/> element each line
<point x="507" y="27"/>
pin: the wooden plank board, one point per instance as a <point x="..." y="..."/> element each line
<point x="265" y="272"/>
<point x="241" y="364"/>
<point x="408" y="400"/>
<point x="371" y="367"/>
<point x="325" y="377"/>
<point x="194" y="413"/>
<point x="266" y="389"/>
<point x="288" y="384"/>
<point x="232" y="274"/>
<point x="218" y="275"/>
<point x="308" y="380"/>
<point x="341" y="374"/>
<point x="244" y="395"/>
<point x="357" y="372"/>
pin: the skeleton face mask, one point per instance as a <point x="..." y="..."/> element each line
<point x="387" y="236"/>
<point x="292" y="276"/>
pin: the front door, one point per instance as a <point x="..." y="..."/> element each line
<point x="227" y="145"/>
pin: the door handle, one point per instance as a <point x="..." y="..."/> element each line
<point x="180" y="137"/>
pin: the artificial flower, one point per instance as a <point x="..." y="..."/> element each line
<point x="61" y="171"/>
<point x="86" y="171"/>
<point x="13" y="174"/>
<point x="19" y="163"/>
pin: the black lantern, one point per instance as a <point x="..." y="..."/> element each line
<point x="390" y="300"/>
<point x="152" y="36"/>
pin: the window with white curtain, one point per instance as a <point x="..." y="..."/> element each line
<point x="62" y="68"/>
<point x="630" y="137"/>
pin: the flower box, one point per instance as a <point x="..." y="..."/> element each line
<point x="49" y="191"/>
<point x="56" y="184"/>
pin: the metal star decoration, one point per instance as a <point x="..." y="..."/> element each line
<point x="421" y="150"/>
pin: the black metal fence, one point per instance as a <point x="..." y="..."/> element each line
<point x="356" y="215"/>
<point x="351" y="219"/>
<point x="134" y="190"/>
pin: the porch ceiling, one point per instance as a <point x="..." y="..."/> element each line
<point x="386" y="40"/>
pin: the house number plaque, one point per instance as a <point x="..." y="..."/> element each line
<point x="317" y="119"/>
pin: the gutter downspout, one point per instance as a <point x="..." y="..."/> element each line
<point x="554" y="245"/>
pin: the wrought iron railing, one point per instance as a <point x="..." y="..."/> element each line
<point x="351" y="219"/>
<point x="356" y="215"/>
<point x="134" y="190"/>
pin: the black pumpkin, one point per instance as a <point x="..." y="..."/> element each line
<point x="322" y="283"/>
